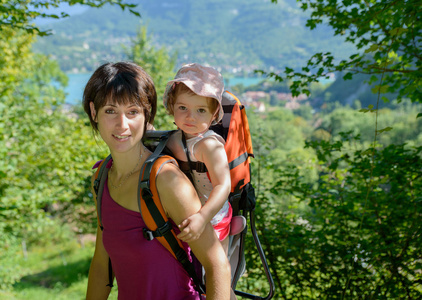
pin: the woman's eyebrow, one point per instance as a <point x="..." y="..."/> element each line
<point x="134" y="105"/>
<point x="110" y="104"/>
<point x="115" y="105"/>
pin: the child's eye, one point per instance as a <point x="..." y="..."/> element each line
<point x="181" y="107"/>
<point x="109" y="111"/>
<point x="202" y="110"/>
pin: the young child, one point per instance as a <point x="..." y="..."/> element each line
<point x="194" y="99"/>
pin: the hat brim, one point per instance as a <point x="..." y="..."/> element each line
<point x="198" y="90"/>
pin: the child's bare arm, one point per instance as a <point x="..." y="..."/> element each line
<point x="212" y="153"/>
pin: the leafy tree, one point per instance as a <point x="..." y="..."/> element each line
<point x="19" y="13"/>
<point x="160" y="65"/>
<point x="387" y="35"/>
<point x="46" y="152"/>
<point x="344" y="119"/>
<point x="346" y="237"/>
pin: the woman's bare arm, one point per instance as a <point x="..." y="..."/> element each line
<point x="98" y="272"/>
<point x="180" y="200"/>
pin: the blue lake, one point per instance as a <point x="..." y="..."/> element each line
<point x="76" y="86"/>
<point x="78" y="81"/>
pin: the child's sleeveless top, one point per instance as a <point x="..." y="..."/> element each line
<point x="144" y="269"/>
<point x="202" y="183"/>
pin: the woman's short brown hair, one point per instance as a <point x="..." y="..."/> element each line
<point x="121" y="83"/>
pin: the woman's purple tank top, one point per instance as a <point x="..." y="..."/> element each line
<point x="144" y="269"/>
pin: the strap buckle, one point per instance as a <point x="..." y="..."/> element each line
<point x="161" y="231"/>
<point x="148" y="234"/>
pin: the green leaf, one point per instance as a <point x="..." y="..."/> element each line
<point x="135" y="13"/>
<point x="348" y="76"/>
<point x="373" y="48"/>
<point x="385" y="129"/>
<point x="333" y="191"/>
<point x="288" y="70"/>
<point x="397" y="31"/>
<point x="380" y="89"/>
<point x="386" y="63"/>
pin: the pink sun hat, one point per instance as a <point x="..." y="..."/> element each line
<point x="203" y="81"/>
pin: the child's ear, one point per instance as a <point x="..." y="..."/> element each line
<point x="93" y="111"/>
<point x="214" y="119"/>
<point x="215" y="116"/>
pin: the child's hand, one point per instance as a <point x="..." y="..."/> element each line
<point x="192" y="228"/>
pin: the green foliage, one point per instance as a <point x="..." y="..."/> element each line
<point x="46" y="150"/>
<point x="305" y="196"/>
<point x="406" y="128"/>
<point x="387" y="36"/>
<point x="360" y="233"/>
<point x="52" y="272"/>
<point x="19" y="13"/>
<point x="160" y="65"/>
<point x="279" y="132"/>
<point x="346" y="92"/>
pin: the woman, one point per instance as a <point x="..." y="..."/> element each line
<point x="120" y="101"/>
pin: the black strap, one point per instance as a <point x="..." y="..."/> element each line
<point x="110" y="274"/>
<point x="187" y="171"/>
<point x="99" y="187"/>
<point x="198" y="166"/>
<point x="164" y="230"/>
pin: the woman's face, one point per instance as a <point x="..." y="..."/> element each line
<point x="121" y="126"/>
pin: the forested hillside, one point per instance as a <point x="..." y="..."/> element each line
<point x="237" y="35"/>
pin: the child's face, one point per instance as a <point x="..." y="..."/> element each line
<point x="192" y="114"/>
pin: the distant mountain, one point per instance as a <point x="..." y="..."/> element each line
<point x="237" y="35"/>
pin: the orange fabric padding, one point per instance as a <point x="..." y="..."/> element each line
<point x="146" y="214"/>
<point x="235" y="147"/>
<point x="247" y="133"/>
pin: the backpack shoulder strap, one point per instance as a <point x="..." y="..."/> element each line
<point x="100" y="177"/>
<point x="155" y="218"/>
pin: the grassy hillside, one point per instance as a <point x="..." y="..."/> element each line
<point x="59" y="272"/>
<point x="239" y="35"/>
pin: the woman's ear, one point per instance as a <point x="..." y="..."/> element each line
<point x="93" y="111"/>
